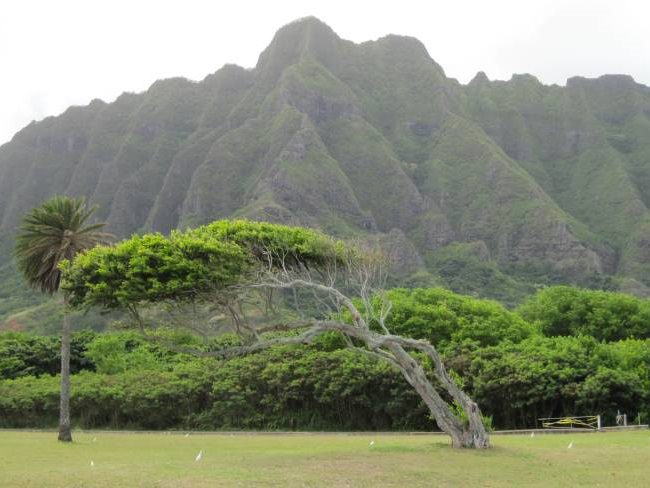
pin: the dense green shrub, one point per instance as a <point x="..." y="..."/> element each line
<point x="26" y="354"/>
<point x="29" y="401"/>
<point x="539" y="377"/>
<point x="559" y="376"/>
<point x="112" y="353"/>
<point x="282" y="388"/>
<point x="446" y="318"/>
<point x="138" y="399"/>
<point x="303" y="388"/>
<point x="607" y="316"/>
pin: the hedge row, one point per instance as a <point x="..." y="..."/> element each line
<point x="315" y="388"/>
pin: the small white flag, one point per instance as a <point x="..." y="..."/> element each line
<point x="199" y="456"/>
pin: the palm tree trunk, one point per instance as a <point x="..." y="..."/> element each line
<point x="64" y="406"/>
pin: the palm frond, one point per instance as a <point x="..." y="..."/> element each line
<point x="56" y="230"/>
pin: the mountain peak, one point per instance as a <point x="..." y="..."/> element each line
<point x="524" y="78"/>
<point x="479" y="79"/>
<point x="308" y="20"/>
<point x="307" y="35"/>
<point x="605" y="81"/>
<point x="405" y="42"/>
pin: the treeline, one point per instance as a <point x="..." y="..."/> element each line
<point x="564" y="352"/>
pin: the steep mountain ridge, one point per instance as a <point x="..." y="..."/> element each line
<point x="504" y="183"/>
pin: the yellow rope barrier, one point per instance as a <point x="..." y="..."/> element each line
<point x="590" y="422"/>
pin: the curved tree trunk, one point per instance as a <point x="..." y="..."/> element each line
<point x="470" y="433"/>
<point x="64" y="404"/>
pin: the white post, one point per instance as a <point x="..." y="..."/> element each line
<point x="599" y="424"/>
<point x="624" y="420"/>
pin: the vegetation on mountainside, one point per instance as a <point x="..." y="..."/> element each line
<point x="548" y="182"/>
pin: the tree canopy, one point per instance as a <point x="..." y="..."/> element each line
<point x="445" y="318"/>
<point x="52" y="233"/>
<point x="186" y="264"/>
<point x="222" y="264"/>
<point x="607" y="316"/>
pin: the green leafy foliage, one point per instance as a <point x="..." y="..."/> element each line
<point x="557" y="376"/>
<point x="153" y="268"/>
<point x="540" y="377"/>
<point x="32" y="355"/>
<point x="607" y="316"/>
<point x="298" y="388"/>
<point x="283" y="388"/>
<point x="113" y="354"/>
<point x="297" y="244"/>
<point x="447" y="319"/>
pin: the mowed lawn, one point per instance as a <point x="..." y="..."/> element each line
<point x="98" y="459"/>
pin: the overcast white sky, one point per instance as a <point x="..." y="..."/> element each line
<point x="65" y="52"/>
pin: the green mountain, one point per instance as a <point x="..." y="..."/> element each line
<point x="490" y="188"/>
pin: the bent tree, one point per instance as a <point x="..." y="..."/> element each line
<point x="49" y="234"/>
<point x="271" y="285"/>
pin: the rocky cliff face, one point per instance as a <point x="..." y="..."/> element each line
<point x="550" y="183"/>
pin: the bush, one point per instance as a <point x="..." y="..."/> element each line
<point x="606" y="316"/>
<point x="25" y="354"/>
<point x="447" y="319"/>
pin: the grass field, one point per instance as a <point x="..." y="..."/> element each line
<point x="97" y="459"/>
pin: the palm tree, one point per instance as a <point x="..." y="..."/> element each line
<point x="49" y="234"/>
